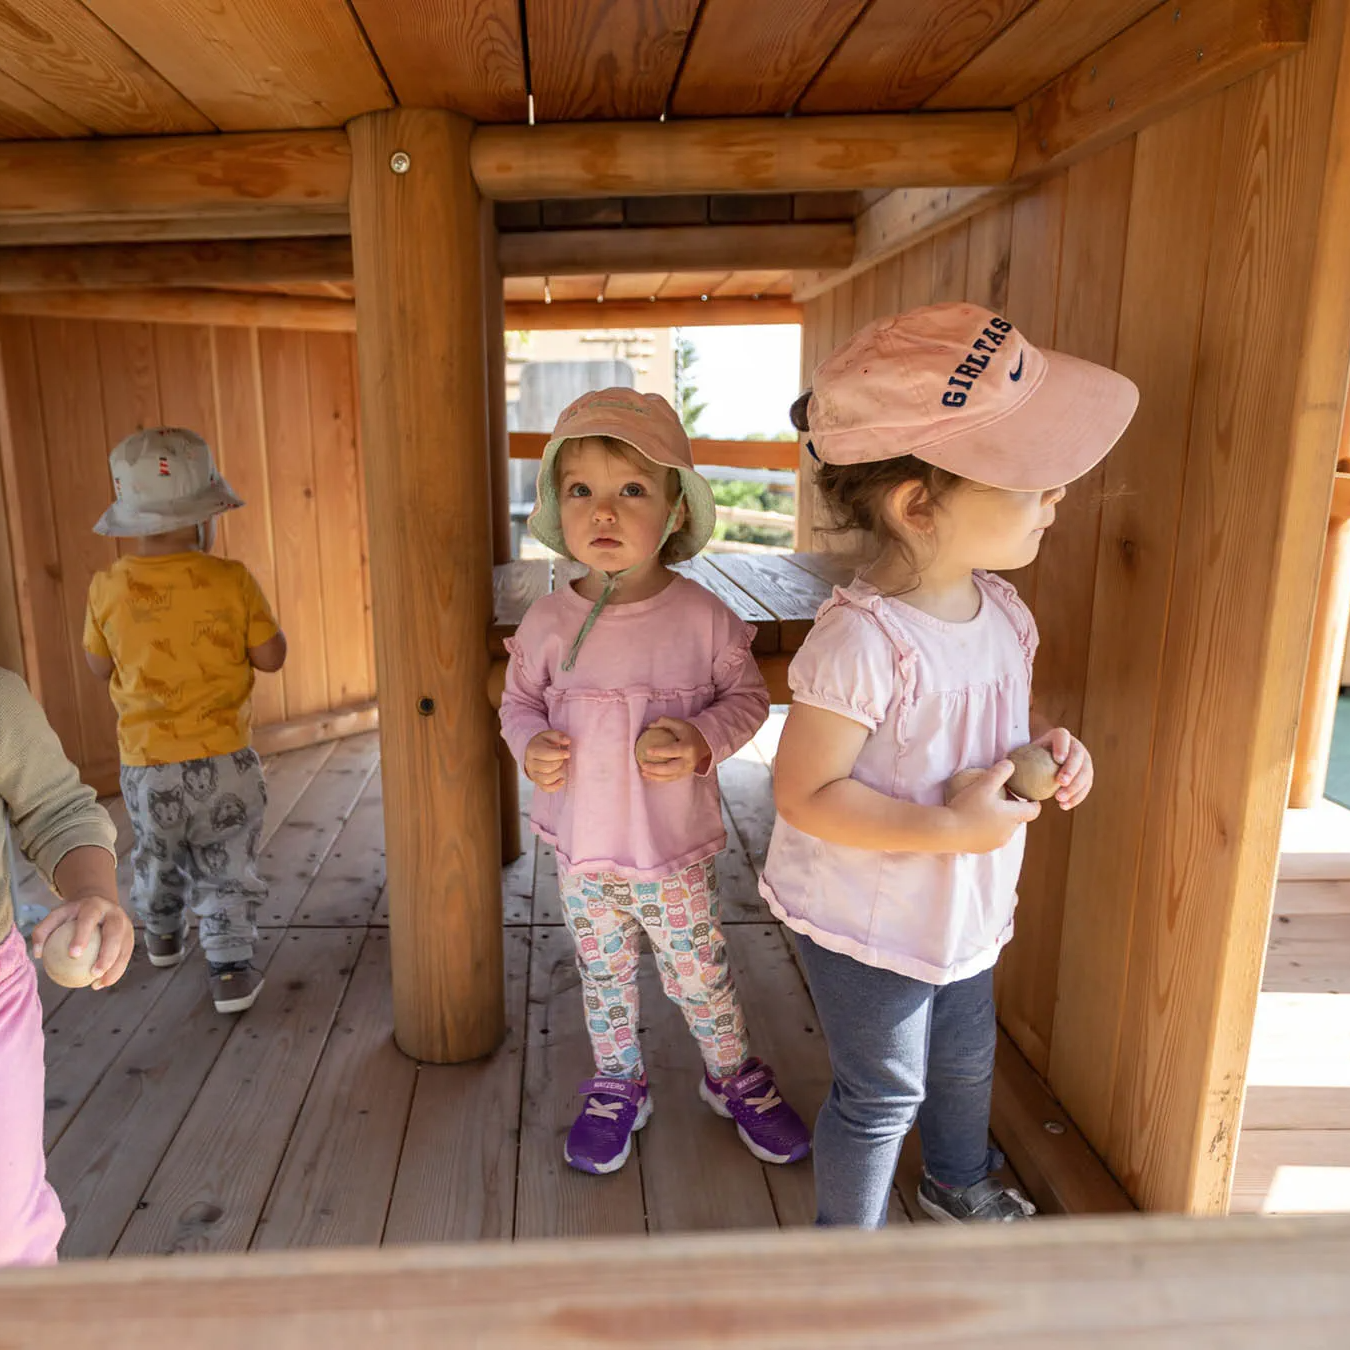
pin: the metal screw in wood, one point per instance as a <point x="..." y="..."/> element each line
<point x="426" y="706"/>
<point x="400" y="161"/>
<point x="1054" y="1127"/>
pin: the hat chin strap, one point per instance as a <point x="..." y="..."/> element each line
<point x="612" y="580"/>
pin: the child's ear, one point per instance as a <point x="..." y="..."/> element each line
<point x="909" y="507"/>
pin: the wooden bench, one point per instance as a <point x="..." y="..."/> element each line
<point x="779" y="593"/>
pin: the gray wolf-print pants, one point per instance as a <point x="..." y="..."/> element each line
<point x="198" y="829"/>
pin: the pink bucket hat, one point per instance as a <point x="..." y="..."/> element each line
<point x="650" y="425"/>
<point x="960" y="388"/>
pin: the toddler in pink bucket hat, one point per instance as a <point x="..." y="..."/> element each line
<point x="623" y="693"/>
<point x="896" y="851"/>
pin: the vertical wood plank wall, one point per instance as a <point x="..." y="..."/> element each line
<point x="279" y="409"/>
<point x="1174" y="596"/>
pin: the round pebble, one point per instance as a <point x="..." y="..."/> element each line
<point x="1035" y="773"/>
<point x="71" y="972"/>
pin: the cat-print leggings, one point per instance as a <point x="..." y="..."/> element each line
<point x="198" y="830"/>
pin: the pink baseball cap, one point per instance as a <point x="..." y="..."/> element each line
<point x="958" y="387"/>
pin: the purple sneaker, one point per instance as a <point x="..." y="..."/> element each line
<point x="768" y="1126"/>
<point x="602" y="1135"/>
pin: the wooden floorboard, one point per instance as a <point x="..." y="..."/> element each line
<point x="302" y="841"/>
<point x="108" y="1156"/>
<point x="338" y="1171"/>
<point x="209" y="1190"/>
<point x="288" y="775"/>
<point x="552" y="1200"/>
<point x="89" y="1032"/>
<point x="347" y="888"/>
<point x="696" y="1173"/>
<point x="457" y="1173"/>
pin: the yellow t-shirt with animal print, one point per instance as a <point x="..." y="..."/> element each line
<point x="177" y="630"/>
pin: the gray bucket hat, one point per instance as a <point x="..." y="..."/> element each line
<point x="165" y="480"/>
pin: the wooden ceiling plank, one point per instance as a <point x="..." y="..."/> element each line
<point x="694" y="248"/>
<point x="1170" y="58"/>
<point x="583" y="287"/>
<point x="255" y="65"/>
<point x="523" y="288"/>
<point x="633" y="285"/>
<point x="1040" y="43"/>
<point x="605" y="58"/>
<point x="747" y="60"/>
<point x="132" y="266"/>
<point x="799" y="154"/>
<point x="460" y="54"/>
<point x="649" y="313"/>
<point x="691" y="285"/>
<point x="42" y="230"/>
<point x="902" y="51"/>
<point x="66" y="56"/>
<point x="25" y="115"/>
<point x="752" y="283"/>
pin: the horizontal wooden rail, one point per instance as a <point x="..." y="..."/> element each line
<point x="269" y="262"/>
<point x="680" y="248"/>
<point x="1101" y="1282"/>
<point x="244" y="309"/>
<point x="732" y="454"/>
<point x="742" y="515"/>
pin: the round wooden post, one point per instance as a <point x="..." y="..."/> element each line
<point x="1322" y="684"/>
<point x="499" y="450"/>
<point x="417" y="262"/>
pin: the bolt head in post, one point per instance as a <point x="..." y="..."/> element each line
<point x="1054" y="1127"/>
<point x="400" y="161"/>
<point x="426" y="706"/>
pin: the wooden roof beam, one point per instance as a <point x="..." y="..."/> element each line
<point x="743" y="154"/>
<point x="244" y="181"/>
<point x="683" y="248"/>
<point x="265" y="262"/>
<point x="235" y="309"/>
<point x="1175" y="55"/>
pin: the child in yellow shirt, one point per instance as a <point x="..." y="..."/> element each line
<point x="178" y="633"/>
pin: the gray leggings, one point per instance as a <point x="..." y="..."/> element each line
<point x="198" y="830"/>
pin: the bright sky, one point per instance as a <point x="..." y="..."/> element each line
<point x="748" y="377"/>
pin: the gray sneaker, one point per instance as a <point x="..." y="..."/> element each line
<point x="987" y="1201"/>
<point x="166" y="949"/>
<point x="235" y="985"/>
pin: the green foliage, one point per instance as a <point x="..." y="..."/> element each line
<point x="686" y="390"/>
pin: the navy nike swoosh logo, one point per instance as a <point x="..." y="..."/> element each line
<point x="1017" y="374"/>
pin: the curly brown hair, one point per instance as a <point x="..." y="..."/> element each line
<point x="856" y="494"/>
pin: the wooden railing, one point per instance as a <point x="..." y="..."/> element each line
<point x="780" y="455"/>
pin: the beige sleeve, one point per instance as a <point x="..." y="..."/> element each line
<point x="50" y="810"/>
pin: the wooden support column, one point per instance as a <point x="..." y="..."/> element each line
<point x="1322" y="684"/>
<point x="499" y="452"/>
<point x="417" y="255"/>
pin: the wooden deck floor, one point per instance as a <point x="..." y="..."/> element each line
<point x="1294" y="1150"/>
<point x="172" y="1128"/>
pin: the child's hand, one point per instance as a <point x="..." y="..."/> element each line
<point x="1075" y="766"/>
<point x="119" y="937"/>
<point x="680" y="759"/>
<point x="985" y="817"/>
<point x="546" y="759"/>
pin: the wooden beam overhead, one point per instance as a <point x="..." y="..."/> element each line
<point x="800" y="154"/>
<point x="692" y="248"/>
<point x="899" y="220"/>
<point x="1171" y="57"/>
<point x="224" y="263"/>
<point x="734" y="454"/>
<point x="246" y="175"/>
<point x="658" y="313"/>
<point x="225" y="309"/>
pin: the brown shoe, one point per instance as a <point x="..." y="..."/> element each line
<point x="235" y="986"/>
<point x="166" y="949"/>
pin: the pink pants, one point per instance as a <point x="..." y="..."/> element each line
<point x="31" y="1221"/>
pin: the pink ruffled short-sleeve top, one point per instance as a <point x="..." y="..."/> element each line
<point x="936" y="698"/>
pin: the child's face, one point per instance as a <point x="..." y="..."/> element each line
<point x="614" y="508"/>
<point x="993" y="528"/>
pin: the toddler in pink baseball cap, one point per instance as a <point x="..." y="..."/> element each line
<point x="950" y="439"/>
<point x="623" y="693"/>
